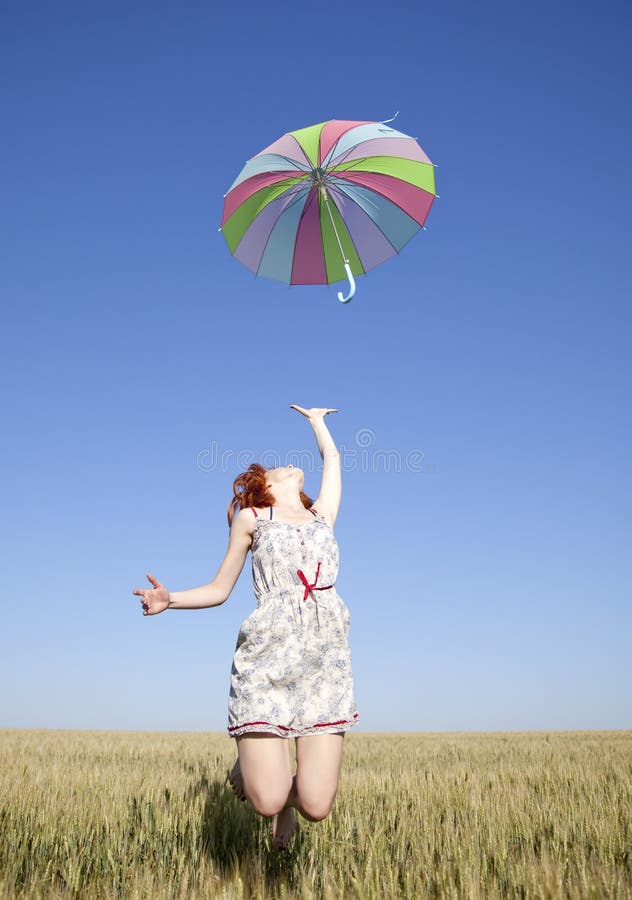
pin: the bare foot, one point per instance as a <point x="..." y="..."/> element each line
<point x="237" y="782"/>
<point x="283" y="826"/>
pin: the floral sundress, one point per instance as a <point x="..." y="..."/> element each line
<point x="291" y="673"/>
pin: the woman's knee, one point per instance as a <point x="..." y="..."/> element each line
<point x="315" y="808"/>
<point x="266" y="802"/>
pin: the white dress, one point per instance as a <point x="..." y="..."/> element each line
<point x="291" y="672"/>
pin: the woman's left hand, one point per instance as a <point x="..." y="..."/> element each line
<point x="314" y="413"/>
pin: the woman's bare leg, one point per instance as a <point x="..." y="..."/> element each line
<point x="236" y="781"/>
<point x="318" y="761"/>
<point x="265" y="774"/>
<point x="264" y="762"/>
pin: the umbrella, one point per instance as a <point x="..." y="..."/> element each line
<point x="328" y="200"/>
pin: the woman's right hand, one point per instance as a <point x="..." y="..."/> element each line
<point x="154" y="600"/>
<point x="312" y="414"/>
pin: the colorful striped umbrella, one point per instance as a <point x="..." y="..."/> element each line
<point x="335" y="198"/>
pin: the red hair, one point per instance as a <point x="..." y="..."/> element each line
<point x="249" y="489"/>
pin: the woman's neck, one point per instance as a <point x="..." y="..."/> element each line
<point x="288" y="500"/>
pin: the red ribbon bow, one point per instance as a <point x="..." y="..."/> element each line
<point x="312" y="587"/>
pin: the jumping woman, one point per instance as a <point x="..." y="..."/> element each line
<point x="291" y="674"/>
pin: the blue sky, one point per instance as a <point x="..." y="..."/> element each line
<point x="488" y="584"/>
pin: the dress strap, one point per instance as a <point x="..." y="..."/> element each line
<point x="313" y="510"/>
<point x="254" y="511"/>
<point x="270" y="512"/>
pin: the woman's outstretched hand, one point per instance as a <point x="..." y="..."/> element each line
<point x="314" y="413"/>
<point x="154" y="600"/>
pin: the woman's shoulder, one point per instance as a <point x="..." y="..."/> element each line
<point x="246" y="518"/>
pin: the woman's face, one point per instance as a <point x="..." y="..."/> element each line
<point x="285" y="473"/>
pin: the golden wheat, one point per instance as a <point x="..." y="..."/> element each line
<point x="89" y="814"/>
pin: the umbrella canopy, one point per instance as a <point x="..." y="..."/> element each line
<point x="335" y="198"/>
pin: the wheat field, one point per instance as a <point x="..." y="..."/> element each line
<point x="87" y="814"/>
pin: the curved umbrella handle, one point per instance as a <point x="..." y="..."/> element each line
<point x="352" y="285"/>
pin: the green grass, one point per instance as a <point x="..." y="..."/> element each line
<point x="88" y="814"/>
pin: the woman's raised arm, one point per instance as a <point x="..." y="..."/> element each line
<point x="328" y="500"/>
<point x="157" y="599"/>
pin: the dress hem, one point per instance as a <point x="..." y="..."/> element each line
<point x="285" y="731"/>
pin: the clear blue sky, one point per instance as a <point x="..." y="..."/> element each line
<point x="489" y="586"/>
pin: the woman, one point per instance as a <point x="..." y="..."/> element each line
<point x="291" y="673"/>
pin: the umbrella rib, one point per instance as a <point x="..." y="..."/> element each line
<point x="329" y="156"/>
<point x="353" y="147"/>
<point x="383" y="233"/>
<point x="359" y="144"/>
<point x="351" y="164"/>
<point x="295" y="199"/>
<point x="331" y="153"/>
<point x="283" y="174"/>
<point x="346" y="153"/>
<point x="390" y="199"/>
<point x="295" y="162"/>
<point x="301" y="167"/>
<point x="312" y="188"/>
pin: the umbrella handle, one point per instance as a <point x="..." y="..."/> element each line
<point x="352" y="285"/>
